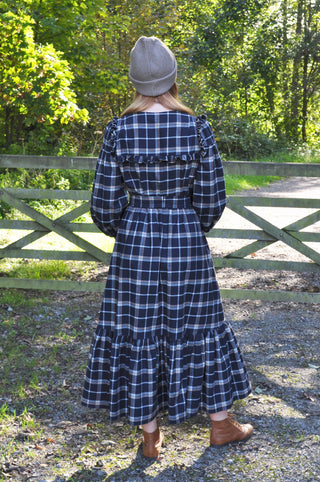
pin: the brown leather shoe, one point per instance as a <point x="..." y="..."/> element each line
<point x="152" y="443"/>
<point x="228" y="430"/>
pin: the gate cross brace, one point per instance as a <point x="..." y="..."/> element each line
<point x="278" y="234"/>
<point x="291" y="229"/>
<point x="35" y="235"/>
<point x="52" y="225"/>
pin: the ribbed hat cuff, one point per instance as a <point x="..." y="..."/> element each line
<point x="155" y="87"/>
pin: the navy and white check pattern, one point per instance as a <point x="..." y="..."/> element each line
<point x="162" y="342"/>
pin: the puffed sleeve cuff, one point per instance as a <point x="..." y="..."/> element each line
<point x="108" y="227"/>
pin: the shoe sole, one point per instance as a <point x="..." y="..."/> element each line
<point x="231" y="442"/>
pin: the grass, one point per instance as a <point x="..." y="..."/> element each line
<point x="25" y="420"/>
<point x="55" y="269"/>
<point x="241" y="183"/>
<point x="300" y="155"/>
<point x="15" y="298"/>
<point x="39" y="356"/>
<point x="5" y="413"/>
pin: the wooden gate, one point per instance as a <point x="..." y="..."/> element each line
<point x="267" y="234"/>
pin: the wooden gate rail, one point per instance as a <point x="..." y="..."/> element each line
<point x="286" y="235"/>
<point x="266" y="235"/>
<point x="270" y="234"/>
<point x="237" y="168"/>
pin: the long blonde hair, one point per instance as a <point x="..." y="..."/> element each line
<point x="169" y="99"/>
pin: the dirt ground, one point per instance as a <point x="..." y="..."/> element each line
<point x="46" y="436"/>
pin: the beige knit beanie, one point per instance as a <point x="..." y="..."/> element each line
<point x="153" y="67"/>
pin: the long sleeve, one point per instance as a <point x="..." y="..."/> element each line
<point x="109" y="198"/>
<point x="208" y="196"/>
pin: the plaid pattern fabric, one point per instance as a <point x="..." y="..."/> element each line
<point x="162" y="342"/>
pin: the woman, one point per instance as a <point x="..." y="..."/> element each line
<point x="162" y="342"/>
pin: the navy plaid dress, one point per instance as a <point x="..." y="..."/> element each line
<point x="161" y="342"/>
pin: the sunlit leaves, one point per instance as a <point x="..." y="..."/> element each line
<point x="35" y="80"/>
<point x="253" y="66"/>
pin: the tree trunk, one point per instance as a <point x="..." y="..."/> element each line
<point x="293" y="121"/>
<point x="285" y="55"/>
<point x="305" y="83"/>
<point x="305" y="97"/>
<point x="8" y="130"/>
<point x="37" y="24"/>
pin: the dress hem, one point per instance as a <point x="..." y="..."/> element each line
<point x="164" y="411"/>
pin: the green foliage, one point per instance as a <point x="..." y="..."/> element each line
<point x="261" y="63"/>
<point x="239" y="138"/>
<point x="253" y="66"/>
<point x="46" y="179"/>
<point x="43" y="179"/>
<point x="35" y="92"/>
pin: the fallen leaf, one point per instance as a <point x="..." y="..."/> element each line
<point x="308" y="396"/>
<point x="108" y="442"/>
<point x="314" y="289"/>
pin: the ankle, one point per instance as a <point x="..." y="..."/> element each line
<point x="150" y="427"/>
<point x="219" y="416"/>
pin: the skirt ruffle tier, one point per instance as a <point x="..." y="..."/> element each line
<point x="139" y="378"/>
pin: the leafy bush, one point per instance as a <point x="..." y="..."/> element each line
<point x="43" y="179"/>
<point x="238" y="138"/>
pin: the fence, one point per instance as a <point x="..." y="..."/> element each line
<point x="267" y="234"/>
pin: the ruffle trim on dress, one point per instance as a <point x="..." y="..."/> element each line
<point x="154" y="158"/>
<point x="110" y="135"/>
<point x="139" y="378"/>
<point x="189" y="336"/>
<point x="201" y="120"/>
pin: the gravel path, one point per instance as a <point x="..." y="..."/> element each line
<point x="46" y="436"/>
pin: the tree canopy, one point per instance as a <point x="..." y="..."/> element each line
<point x="252" y="66"/>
